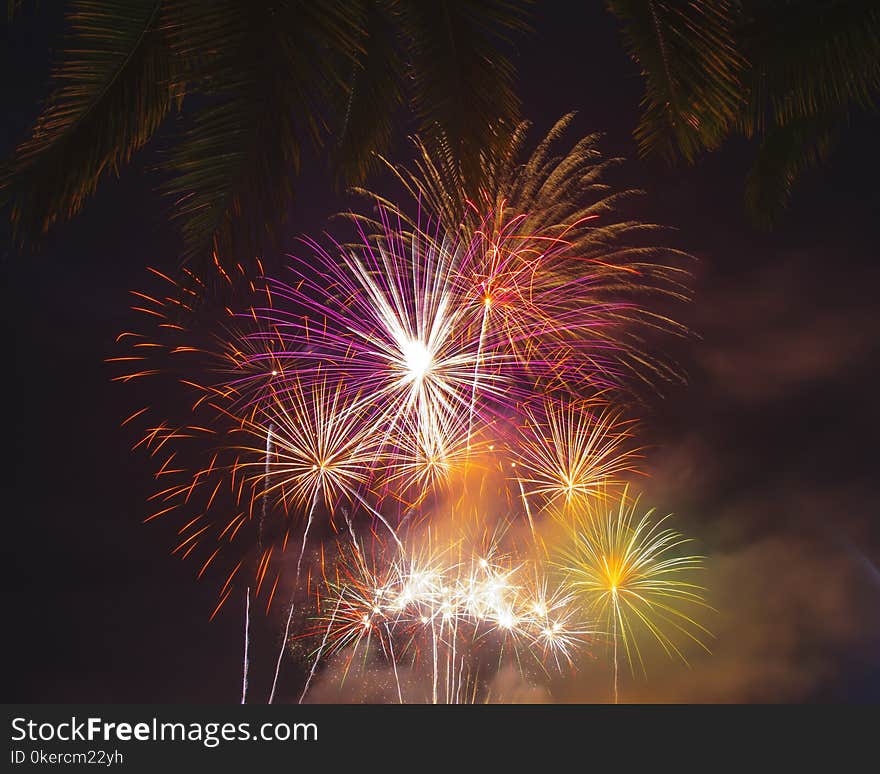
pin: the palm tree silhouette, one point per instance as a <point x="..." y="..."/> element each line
<point x="253" y="83"/>
<point x="789" y="73"/>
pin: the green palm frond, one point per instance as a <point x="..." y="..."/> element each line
<point x="692" y="69"/>
<point x="374" y="93"/>
<point x="462" y="82"/>
<point x="262" y="80"/>
<point x="810" y="59"/>
<point x="112" y="89"/>
<point x="813" y="64"/>
<point x="786" y="152"/>
<point x="266" y="70"/>
<point x="785" y="71"/>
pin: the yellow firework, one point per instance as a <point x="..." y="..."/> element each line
<point x="572" y="449"/>
<point x="635" y="579"/>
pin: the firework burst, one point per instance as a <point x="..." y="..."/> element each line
<point x="570" y="450"/>
<point x="432" y="372"/>
<point x="557" y="257"/>
<point x="632" y="576"/>
<point x="388" y="321"/>
<point x="450" y="607"/>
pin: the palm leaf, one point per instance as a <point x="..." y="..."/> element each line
<point x="111" y="91"/>
<point x="810" y="59"/>
<point x="462" y="81"/>
<point x="813" y="63"/>
<point x="786" y="152"/>
<point x="692" y="69"/>
<point x="267" y="69"/>
<point x="373" y="96"/>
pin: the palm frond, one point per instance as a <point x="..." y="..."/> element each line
<point x="462" y="80"/>
<point x="112" y="89"/>
<point x="267" y="70"/>
<point x="374" y="93"/>
<point x="810" y="59"/>
<point x="786" y="152"/>
<point x="692" y="69"/>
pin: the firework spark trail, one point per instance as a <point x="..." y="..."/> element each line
<point x="283" y="649"/>
<point x="394" y="662"/>
<point x="351" y="534"/>
<point x="265" y="505"/>
<point x="302" y="549"/>
<point x="528" y="510"/>
<point x="320" y="651"/>
<point x="614" y="644"/>
<point x="247" y="623"/>
<point x="377" y="515"/>
<point x="434" y="653"/>
<point x="477" y="361"/>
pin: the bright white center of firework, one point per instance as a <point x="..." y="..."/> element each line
<point x="417" y="359"/>
<point x="505" y="620"/>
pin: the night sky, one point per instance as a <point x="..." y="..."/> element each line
<point x="768" y="456"/>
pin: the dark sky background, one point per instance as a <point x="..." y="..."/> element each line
<point x="768" y="456"/>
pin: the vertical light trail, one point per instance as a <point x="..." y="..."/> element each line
<point x="320" y="651"/>
<point x="614" y="641"/>
<point x="265" y="505"/>
<point x="293" y="596"/>
<point x="302" y="549"/>
<point x="476" y="378"/>
<point x="394" y="662"/>
<point x="434" y="649"/>
<point x="247" y="622"/>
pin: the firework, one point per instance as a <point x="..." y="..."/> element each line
<point x="570" y="450"/>
<point x="631" y="574"/>
<point x="432" y="372"/>
<point x="388" y="320"/>
<point x="454" y="602"/>
<point x="557" y="257"/>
